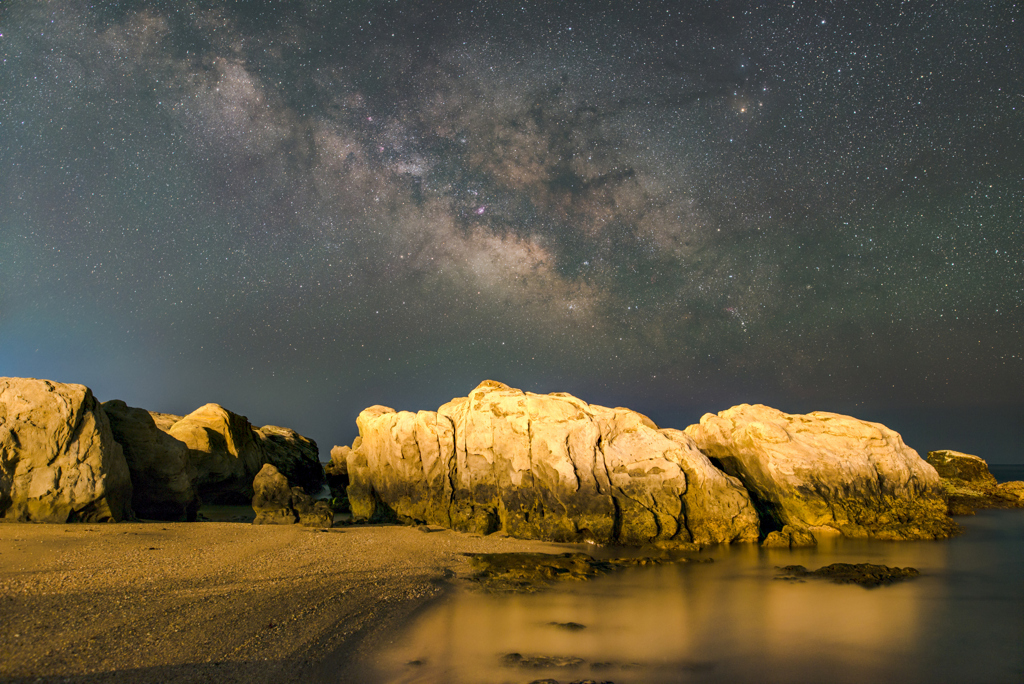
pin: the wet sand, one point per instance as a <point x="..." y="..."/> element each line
<point x="216" y="601"/>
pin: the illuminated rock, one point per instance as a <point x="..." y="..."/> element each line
<point x="826" y="473"/>
<point x="543" y="467"/>
<point x="58" y="459"/>
<point x="277" y="502"/>
<point x="968" y="484"/>
<point x="228" y="452"/>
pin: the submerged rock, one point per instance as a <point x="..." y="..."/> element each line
<point x="277" y="502"/>
<point x="543" y="466"/>
<point x="58" y="458"/>
<point x="864" y="574"/>
<point x="826" y="473"/>
<point x="968" y="484"/>
<point x="163" y="477"/>
<point x="529" y="572"/>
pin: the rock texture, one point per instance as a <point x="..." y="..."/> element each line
<point x="294" y="455"/>
<point x="224" y="450"/>
<point x="163" y="477"/>
<point x="277" y="502"/>
<point x="58" y="459"/>
<point x="543" y="467"/>
<point x="968" y="484"/>
<point x="826" y="473"/>
<point x="228" y="452"/>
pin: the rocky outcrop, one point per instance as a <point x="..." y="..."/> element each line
<point x="163" y="477"/>
<point x="826" y="473"/>
<point x="58" y="459"/>
<point x="543" y="467"/>
<point x="968" y="484"/>
<point x="228" y="452"/>
<point x="277" y="502"/>
<point x="224" y="449"/>
<point x="294" y="455"/>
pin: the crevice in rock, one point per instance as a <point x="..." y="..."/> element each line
<point x="769" y="518"/>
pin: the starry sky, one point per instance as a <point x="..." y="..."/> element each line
<point x="298" y="209"/>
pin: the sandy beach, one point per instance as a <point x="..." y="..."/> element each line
<point x="216" y="601"/>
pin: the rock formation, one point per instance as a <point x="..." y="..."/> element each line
<point x="163" y="477"/>
<point x="228" y="452"/>
<point x="968" y="484"/>
<point x="277" y="502"/>
<point x="294" y="455"/>
<point x="826" y="473"/>
<point x="58" y="459"/>
<point x="543" y="467"/>
<point x="224" y="450"/>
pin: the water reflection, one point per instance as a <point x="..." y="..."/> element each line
<point x="732" y="621"/>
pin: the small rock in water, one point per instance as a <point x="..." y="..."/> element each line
<point x="540" y="661"/>
<point x="864" y="574"/>
<point x="571" y="626"/>
<point x="529" y="572"/>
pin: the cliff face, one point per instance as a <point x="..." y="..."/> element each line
<point x="543" y="467"/>
<point x="58" y="459"/>
<point x="826" y="473"/>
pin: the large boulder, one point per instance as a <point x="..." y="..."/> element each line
<point x="968" y="484"/>
<point x="277" y="502"/>
<point x="163" y="477"/>
<point x="228" y="452"/>
<point x="543" y="467"/>
<point x="58" y="459"/>
<point x="826" y="473"/>
<point x="296" y="456"/>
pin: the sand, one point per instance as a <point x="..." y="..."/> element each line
<point x="217" y="601"/>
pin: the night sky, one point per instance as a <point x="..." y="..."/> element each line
<point x="300" y="209"/>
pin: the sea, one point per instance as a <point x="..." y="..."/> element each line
<point x="735" y="620"/>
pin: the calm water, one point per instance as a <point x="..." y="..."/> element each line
<point x="732" y="621"/>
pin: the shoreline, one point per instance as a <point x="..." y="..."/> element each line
<point x="218" y="601"/>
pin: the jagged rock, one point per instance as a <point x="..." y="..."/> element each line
<point x="543" y="467"/>
<point x="826" y="473"/>
<point x="163" y="477"/>
<point x="789" y="537"/>
<point x="276" y="502"/>
<point x="968" y="484"/>
<point x="58" y="459"/>
<point x="294" y="455"/>
<point x="228" y="452"/>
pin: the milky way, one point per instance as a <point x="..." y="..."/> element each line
<point x="298" y="209"/>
